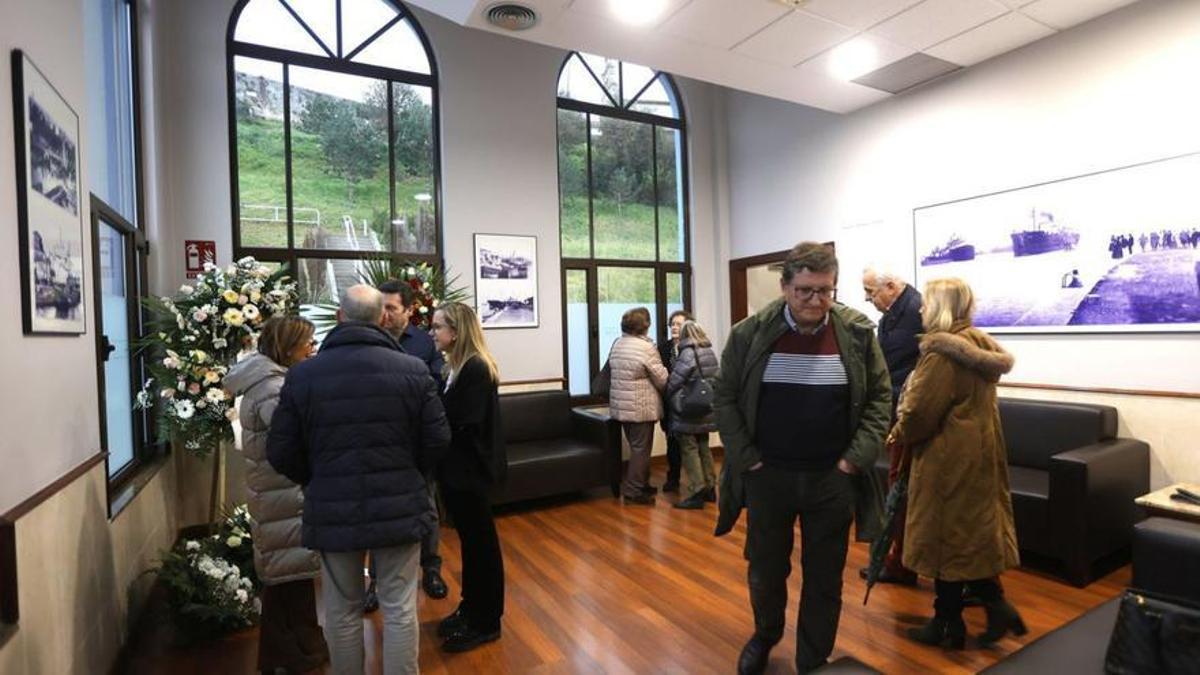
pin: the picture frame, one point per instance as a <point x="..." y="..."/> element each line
<point x="506" y="280"/>
<point x="49" y="205"/>
<point x="1115" y="251"/>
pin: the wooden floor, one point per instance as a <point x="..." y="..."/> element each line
<point x="597" y="587"/>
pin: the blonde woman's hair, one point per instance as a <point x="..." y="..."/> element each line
<point x="945" y="302"/>
<point x="469" y="341"/>
<point x="692" y="331"/>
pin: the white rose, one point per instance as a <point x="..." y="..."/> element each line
<point x="233" y="541"/>
<point x="192" y="545"/>
<point x="199" y="316"/>
<point x="186" y="290"/>
<point x="242" y="595"/>
<point x="242" y="299"/>
<point x="424" y="309"/>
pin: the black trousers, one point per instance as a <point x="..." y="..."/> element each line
<point x="674" y="460"/>
<point x="823" y="501"/>
<point x="482" y="562"/>
<point x="948" y="595"/>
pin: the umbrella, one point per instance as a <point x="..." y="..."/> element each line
<point x="894" y="502"/>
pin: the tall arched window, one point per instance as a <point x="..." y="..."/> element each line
<point x="623" y="207"/>
<point x="333" y="138"/>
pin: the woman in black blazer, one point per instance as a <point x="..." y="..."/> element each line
<point x="476" y="461"/>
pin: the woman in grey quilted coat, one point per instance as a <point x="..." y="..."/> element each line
<point x="696" y="359"/>
<point x="289" y="635"/>
<point x="637" y="377"/>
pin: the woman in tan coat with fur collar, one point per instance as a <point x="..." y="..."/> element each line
<point x="959" y="529"/>
<point x="638" y="376"/>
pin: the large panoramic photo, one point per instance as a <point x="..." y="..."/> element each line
<point x="1116" y="251"/>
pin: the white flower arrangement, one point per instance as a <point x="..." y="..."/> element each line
<point x="196" y="336"/>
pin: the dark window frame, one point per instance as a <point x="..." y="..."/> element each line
<point x="291" y="255"/>
<point x="146" y="448"/>
<point x="590" y="265"/>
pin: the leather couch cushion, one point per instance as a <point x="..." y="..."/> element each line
<point x="1031" y="508"/>
<point x="1077" y="647"/>
<point x="1166" y="557"/>
<point x="1036" y="430"/>
<point x="520" y="455"/>
<point x="535" y="415"/>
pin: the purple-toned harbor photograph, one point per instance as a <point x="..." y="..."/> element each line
<point x="1116" y="251"/>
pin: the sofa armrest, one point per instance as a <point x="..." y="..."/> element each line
<point x="1092" y="489"/>
<point x="597" y="428"/>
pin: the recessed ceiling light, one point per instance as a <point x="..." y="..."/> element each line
<point x="637" y="12"/>
<point x="853" y="58"/>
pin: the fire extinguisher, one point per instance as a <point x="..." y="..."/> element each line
<point x="193" y="257"/>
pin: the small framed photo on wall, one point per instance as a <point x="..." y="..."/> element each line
<point x="49" y="209"/>
<point x="506" y="281"/>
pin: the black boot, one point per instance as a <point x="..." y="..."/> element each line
<point x="939" y="630"/>
<point x="754" y="656"/>
<point x="696" y="501"/>
<point x="433" y="583"/>
<point x="1002" y="618"/>
<point x="452" y="624"/>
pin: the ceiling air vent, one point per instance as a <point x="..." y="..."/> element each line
<point x="511" y="16"/>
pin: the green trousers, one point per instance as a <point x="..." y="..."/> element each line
<point x="697" y="463"/>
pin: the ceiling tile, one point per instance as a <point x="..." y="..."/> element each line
<point x="934" y="21"/>
<point x="907" y="73"/>
<point x="602" y="8"/>
<point x="793" y="39"/>
<point x="719" y="24"/>
<point x="1000" y="35"/>
<point x="1062" y="14"/>
<point x="887" y="52"/>
<point x="860" y="14"/>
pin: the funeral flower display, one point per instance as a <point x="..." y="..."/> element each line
<point x="195" y="336"/>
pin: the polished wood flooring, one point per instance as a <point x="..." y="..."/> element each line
<point x="598" y="587"/>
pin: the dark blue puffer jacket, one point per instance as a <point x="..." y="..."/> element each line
<point x="358" y="426"/>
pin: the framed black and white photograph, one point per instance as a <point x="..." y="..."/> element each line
<point x="506" y="280"/>
<point x="1116" y="251"/>
<point x="49" y="212"/>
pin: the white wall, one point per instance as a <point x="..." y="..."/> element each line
<point x="51" y="422"/>
<point x="499" y="161"/>
<point x="1111" y="92"/>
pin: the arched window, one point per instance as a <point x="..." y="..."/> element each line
<point x="333" y="138"/>
<point x="623" y="207"/>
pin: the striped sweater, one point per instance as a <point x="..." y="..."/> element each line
<point x="803" y="406"/>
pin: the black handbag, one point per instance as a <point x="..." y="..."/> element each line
<point x="1154" y="633"/>
<point x="603" y="381"/>
<point x="694" y="400"/>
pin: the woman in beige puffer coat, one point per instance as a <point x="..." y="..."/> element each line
<point x="637" y="376"/>
<point x="289" y="635"/>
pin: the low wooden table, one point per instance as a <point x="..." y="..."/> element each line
<point x="1159" y="503"/>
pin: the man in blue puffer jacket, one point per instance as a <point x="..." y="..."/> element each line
<point x="359" y="426"/>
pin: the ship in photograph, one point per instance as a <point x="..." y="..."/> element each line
<point x="55" y="280"/>
<point x="1043" y="235"/>
<point x="954" y="250"/>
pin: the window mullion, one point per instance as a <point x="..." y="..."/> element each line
<point x="591" y="208"/>
<point x="391" y="143"/>
<point x="287" y="156"/>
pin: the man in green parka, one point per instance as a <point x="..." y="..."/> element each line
<point x="803" y="404"/>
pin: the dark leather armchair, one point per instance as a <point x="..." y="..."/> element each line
<point x="554" y="449"/>
<point x="1073" y="481"/>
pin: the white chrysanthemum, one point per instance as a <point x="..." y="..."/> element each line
<point x="216" y="395"/>
<point x="184" y="409"/>
<point x="233" y="316"/>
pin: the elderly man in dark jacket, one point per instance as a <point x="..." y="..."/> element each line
<point x="899" y="330"/>
<point x="359" y="426"/>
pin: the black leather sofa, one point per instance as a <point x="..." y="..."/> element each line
<point x="1166" y="560"/>
<point x="1073" y="481"/>
<point x="554" y="449"/>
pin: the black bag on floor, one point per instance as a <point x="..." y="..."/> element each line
<point x="1154" y="634"/>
